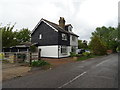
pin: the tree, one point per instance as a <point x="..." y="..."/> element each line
<point x="8" y="36"/>
<point x="23" y="35"/>
<point x="97" y="46"/>
<point x="108" y="36"/>
<point x="82" y="44"/>
<point x="12" y="38"/>
<point x="85" y="46"/>
<point x="118" y="29"/>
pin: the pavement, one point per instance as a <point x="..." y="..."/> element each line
<point x="101" y="72"/>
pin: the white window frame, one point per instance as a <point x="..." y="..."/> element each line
<point x="40" y="36"/>
<point x="64" y="50"/>
<point x="64" y="36"/>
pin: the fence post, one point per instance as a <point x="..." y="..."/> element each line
<point x="15" y="57"/>
<point x="39" y="54"/>
<point x="30" y="58"/>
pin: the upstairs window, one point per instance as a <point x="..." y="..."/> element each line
<point x="40" y="36"/>
<point x="64" y="36"/>
<point x="73" y="38"/>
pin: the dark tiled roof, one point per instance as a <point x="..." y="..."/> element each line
<point x="56" y="26"/>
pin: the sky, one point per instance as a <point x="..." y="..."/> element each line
<point x="84" y="15"/>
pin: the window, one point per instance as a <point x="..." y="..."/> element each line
<point x="63" y="49"/>
<point x="40" y="36"/>
<point x="73" y="38"/>
<point x="64" y="36"/>
<point x="69" y="28"/>
<point x="73" y="49"/>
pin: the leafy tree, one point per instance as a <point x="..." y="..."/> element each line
<point x="82" y="44"/>
<point x="118" y="29"/>
<point x="85" y="46"/>
<point x="97" y="46"/>
<point x="108" y="36"/>
<point x="12" y="38"/>
<point x="8" y="37"/>
<point x="23" y="35"/>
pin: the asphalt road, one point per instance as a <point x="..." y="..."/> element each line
<point x="101" y="72"/>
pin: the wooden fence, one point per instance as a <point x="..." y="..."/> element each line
<point x="16" y="57"/>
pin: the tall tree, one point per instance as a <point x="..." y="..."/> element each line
<point x="108" y="36"/>
<point x="23" y="35"/>
<point x="97" y="46"/>
<point x="8" y="37"/>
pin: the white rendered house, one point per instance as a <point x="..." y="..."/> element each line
<point x="54" y="40"/>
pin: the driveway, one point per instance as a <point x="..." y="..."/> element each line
<point x="93" y="73"/>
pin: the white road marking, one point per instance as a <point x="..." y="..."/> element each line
<point x="72" y="80"/>
<point x="101" y="63"/>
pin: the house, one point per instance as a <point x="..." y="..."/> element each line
<point x="54" y="40"/>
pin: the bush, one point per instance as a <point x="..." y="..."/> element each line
<point x="78" y="55"/>
<point x="86" y="54"/>
<point x="39" y="63"/>
<point x="72" y="54"/>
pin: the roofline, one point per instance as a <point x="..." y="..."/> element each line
<point x="50" y="26"/>
<point x="74" y="34"/>
<point x="69" y="25"/>
<point x="44" y="22"/>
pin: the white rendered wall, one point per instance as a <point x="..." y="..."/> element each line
<point x="73" y="43"/>
<point x="49" y="51"/>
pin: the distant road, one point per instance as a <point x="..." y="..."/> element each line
<point x="101" y="72"/>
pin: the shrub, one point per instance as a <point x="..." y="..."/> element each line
<point x="78" y="55"/>
<point x="39" y="63"/>
<point x="86" y="54"/>
<point x="72" y="54"/>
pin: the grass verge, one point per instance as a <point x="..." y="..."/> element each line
<point x="86" y="57"/>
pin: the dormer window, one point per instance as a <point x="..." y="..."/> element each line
<point x="40" y="36"/>
<point x="64" y="36"/>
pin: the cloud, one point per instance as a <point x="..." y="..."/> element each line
<point x="84" y="15"/>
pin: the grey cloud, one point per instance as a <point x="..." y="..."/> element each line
<point x="27" y="14"/>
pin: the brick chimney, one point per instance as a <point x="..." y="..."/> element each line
<point x="62" y="22"/>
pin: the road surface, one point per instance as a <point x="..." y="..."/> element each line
<point x="100" y="72"/>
